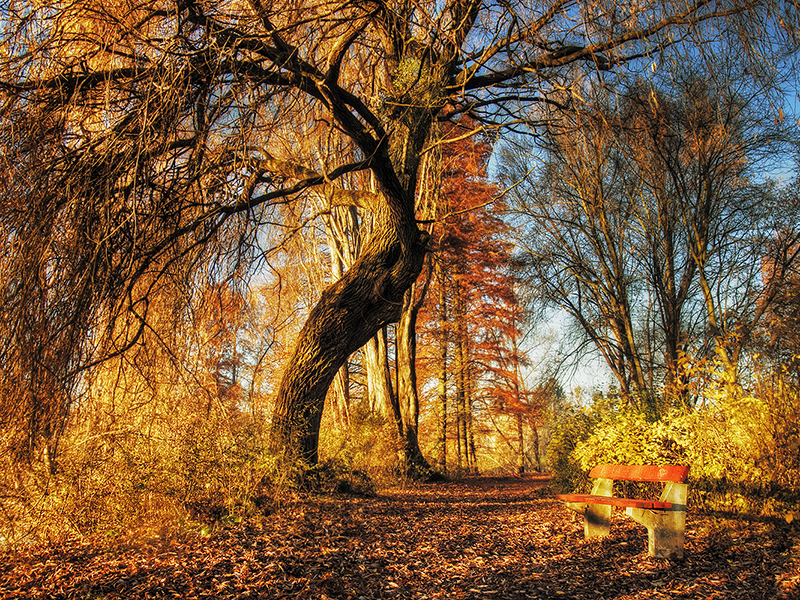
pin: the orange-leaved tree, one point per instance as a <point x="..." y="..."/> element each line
<point x="471" y="314"/>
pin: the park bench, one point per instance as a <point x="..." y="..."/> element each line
<point x="664" y="518"/>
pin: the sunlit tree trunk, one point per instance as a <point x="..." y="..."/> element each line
<point x="470" y="422"/>
<point x="380" y="390"/>
<point x="459" y="435"/>
<point x="341" y="397"/>
<point x="407" y="381"/>
<point x="441" y="412"/>
<point x="441" y="396"/>
<point x="464" y="434"/>
<point x="460" y="374"/>
<point x="520" y="444"/>
<point x="538" y="461"/>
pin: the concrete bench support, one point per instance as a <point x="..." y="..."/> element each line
<point x="596" y="517"/>
<point x="665" y="528"/>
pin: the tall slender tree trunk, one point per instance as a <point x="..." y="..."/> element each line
<point x="460" y="373"/>
<point x="520" y="400"/>
<point x="467" y="386"/>
<point x="415" y="462"/>
<point x="465" y="437"/>
<point x="473" y="463"/>
<point x="441" y="413"/>
<point x="459" y="437"/>
<point x="536" y="449"/>
<point x="379" y="380"/>
<point x="521" y="445"/>
<point x="441" y="403"/>
<point x="341" y="397"/>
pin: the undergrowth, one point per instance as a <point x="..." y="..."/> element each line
<point x="742" y="448"/>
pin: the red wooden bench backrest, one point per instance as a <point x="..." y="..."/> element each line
<point x="676" y="473"/>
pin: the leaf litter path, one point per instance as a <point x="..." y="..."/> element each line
<point x="478" y="538"/>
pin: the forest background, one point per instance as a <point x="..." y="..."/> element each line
<point x="249" y="247"/>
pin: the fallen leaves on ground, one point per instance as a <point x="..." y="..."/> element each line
<point x="479" y="538"/>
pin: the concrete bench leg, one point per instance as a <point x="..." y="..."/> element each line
<point x="596" y="517"/>
<point x="665" y="528"/>
<point x="597" y="521"/>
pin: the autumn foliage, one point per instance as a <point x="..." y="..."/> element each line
<point x="252" y="252"/>
<point x="472" y="320"/>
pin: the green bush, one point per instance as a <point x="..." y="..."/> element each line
<point x="571" y="427"/>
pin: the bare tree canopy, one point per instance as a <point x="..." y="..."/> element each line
<point x="145" y="144"/>
<point x="650" y="221"/>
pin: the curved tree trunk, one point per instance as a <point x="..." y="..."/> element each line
<point x="351" y="311"/>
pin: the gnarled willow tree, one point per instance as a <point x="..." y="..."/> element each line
<point x="142" y="141"/>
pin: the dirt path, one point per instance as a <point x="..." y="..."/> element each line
<point x="482" y="538"/>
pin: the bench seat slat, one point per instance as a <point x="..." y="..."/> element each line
<point x="626" y="502"/>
